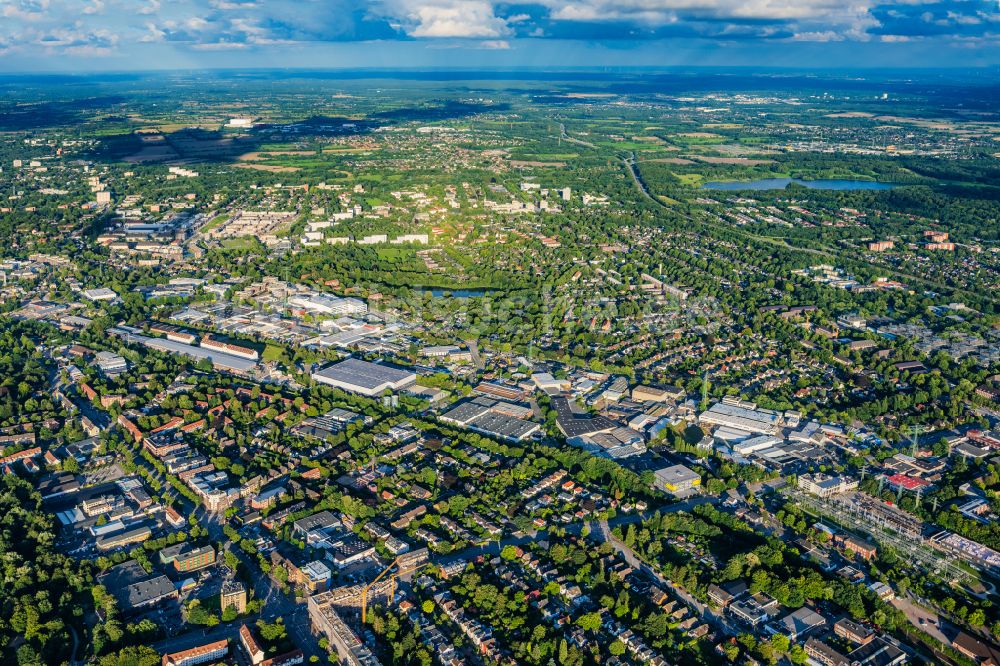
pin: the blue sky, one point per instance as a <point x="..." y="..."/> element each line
<point x="85" y="35"/>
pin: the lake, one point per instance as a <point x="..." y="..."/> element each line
<point x="782" y="183"/>
<point x="437" y="292"/>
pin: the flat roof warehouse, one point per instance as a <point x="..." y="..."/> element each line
<point x="363" y="377"/>
<point x="218" y="359"/>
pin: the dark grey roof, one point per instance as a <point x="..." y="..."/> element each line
<point x="58" y="485"/>
<point x="465" y="412"/>
<point x="575" y="424"/>
<point x="878" y="652"/>
<point x="364" y="374"/>
<point x="148" y="592"/>
<point x="122" y="575"/>
<point x="349" y="546"/>
<point x="319" y="520"/>
<point x="170" y="553"/>
<point x="801" y="621"/>
<point x="506" y="427"/>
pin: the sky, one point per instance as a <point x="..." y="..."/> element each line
<point x="116" y="35"/>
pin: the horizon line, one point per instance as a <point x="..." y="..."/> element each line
<point x="606" y="69"/>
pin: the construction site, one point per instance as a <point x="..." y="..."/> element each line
<point x="340" y="614"/>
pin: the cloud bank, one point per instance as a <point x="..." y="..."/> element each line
<point x="96" y="28"/>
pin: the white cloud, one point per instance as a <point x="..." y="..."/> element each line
<point x="25" y="10"/>
<point x="220" y="46"/>
<point x="660" y="11"/>
<point x="153" y="33"/>
<point x="227" y="5"/>
<point x="963" y="19"/>
<point x="216" y="25"/>
<point x="463" y="19"/>
<point x="196" y="23"/>
<point x="808" y="20"/>
<point x="819" y="36"/>
<point x="76" y="40"/>
<point x="89" y="51"/>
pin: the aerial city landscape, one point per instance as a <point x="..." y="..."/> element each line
<point x="545" y="367"/>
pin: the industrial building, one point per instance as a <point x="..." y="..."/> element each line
<point x="677" y="479"/>
<point x="573" y="422"/>
<point x="491" y="417"/>
<point x="123" y="538"/>
<point x="110" y="363"/>
<point x="642" y="393"/>
<point x="326" y="304"/>
<point x="370" y="379"/>
<point x="134" y="588"/>
<point x="740" y="417"/>
<point x="824" y="485"/>
<point x="100" y="294"/>
<point x="620" y="442"/>
<point x="219" y="359"/>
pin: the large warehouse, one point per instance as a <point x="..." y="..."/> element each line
<point x="739" y="417"/>
<point x="366" y="378"/>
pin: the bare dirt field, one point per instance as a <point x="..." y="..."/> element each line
<point x="528" y="163"/>
<point x="272" y="168"/>
<point x="670" y="160"/>
<point x="744" y="161"/>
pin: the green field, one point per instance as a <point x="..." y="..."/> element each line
<point x="690" y="179"/>
<point x="272" y="353"/>
<point x="215" y="222"/>
<point x="242" y="243"/>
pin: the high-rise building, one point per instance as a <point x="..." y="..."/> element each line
<point x="234" y="595"/>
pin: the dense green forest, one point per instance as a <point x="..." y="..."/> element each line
<point x="45" y="594"/>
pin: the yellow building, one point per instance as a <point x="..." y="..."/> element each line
<point x="234" y="595"/>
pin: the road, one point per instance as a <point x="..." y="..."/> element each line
<point x="629" y="163"/>
<point x="566" y="137"/>
<point x="992" y="415"/>
<point x="275" y="602"/>
<point x="76" y="645"/>
<point x="493" y="548"/>
<point x="474" y="352"/>
<point x="295" y="614"/>
<point x="601" y="531"/>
